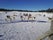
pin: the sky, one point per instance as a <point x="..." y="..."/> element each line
<point x="26" y="4"/>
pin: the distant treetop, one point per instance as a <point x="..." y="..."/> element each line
<point x="47" y="10"/>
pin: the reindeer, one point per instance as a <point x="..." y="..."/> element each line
<point x="8" y="17"/>
<point x="25" y="15"/>
<point x="29" y="16"/>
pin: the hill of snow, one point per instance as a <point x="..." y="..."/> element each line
<point x="23" y="30"/>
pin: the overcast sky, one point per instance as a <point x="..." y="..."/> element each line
<point x="26" y="4"/>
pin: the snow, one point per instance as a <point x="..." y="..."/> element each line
<point x="23" y="30"/>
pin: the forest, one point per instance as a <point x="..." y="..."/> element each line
<point x="46" y="10"/>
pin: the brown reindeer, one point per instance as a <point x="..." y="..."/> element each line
<point x="29" y="16"/>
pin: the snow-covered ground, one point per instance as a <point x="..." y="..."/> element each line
<point x="23" y="30"/>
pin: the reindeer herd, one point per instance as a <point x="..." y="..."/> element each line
<point x="22" y="17"/>
<point x="29" y="17"/>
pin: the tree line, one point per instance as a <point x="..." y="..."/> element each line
<point x="46" y="10"/>
<point x="2" y="9"/>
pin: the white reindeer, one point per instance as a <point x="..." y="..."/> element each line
<point x="10" y="18"/>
